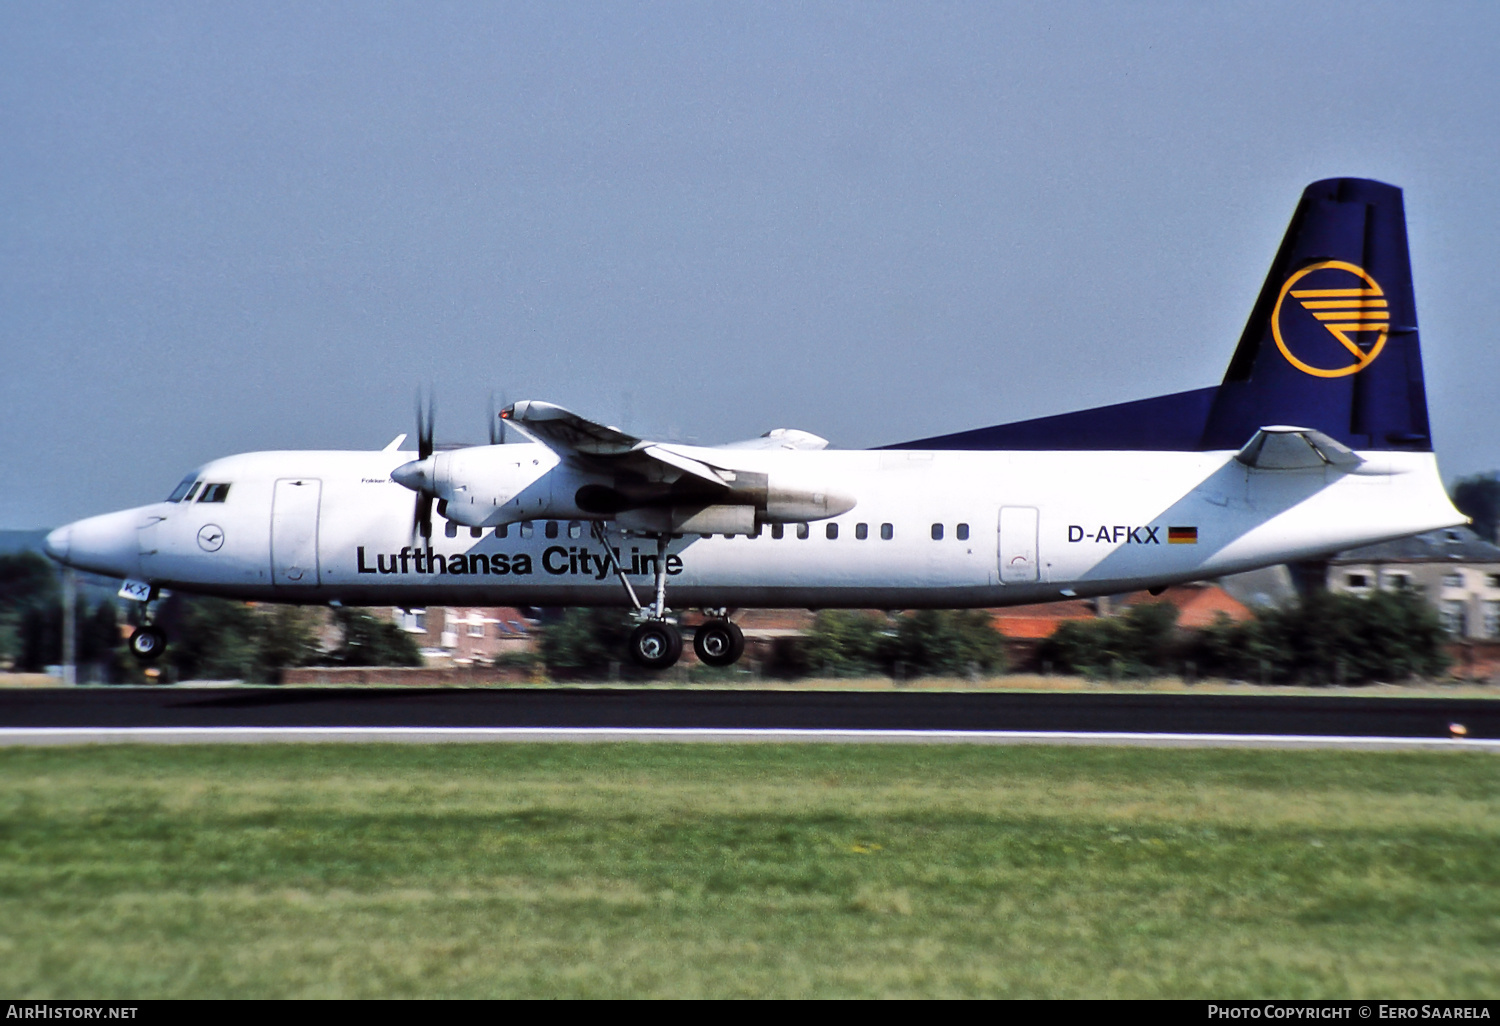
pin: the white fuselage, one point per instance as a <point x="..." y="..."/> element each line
<point x="1016" y="527"/>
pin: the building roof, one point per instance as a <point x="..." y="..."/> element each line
<point x="1039" y="621"/>
<point x="1198" y="605"/>
<point x="1449" y="545"/>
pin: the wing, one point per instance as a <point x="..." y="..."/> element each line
<point x="651" y="487"/>
<point x="597" y="447"/>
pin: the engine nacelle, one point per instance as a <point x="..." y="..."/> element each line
<point x="490" y="485"/>
<point x="485" y="485"/>
<point x="789" y="502"/>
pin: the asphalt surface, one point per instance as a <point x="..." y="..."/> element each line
<point x="1333" y="716"/>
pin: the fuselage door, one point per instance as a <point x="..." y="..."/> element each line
<point x="294" y="531"/>
<point x="1018" y="555"/>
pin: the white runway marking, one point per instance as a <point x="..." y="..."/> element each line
<point x="425" y="735"/>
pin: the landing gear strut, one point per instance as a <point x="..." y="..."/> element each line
<point x="657" y="643"/>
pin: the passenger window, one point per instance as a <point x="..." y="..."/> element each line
<point x="503" y="531"/>
<point x="802" y="531"/>
<point x="528" y="529"/>
<point x="778" y="531"/>
<point x="832" y="530"/>
<point x="551" y="529"/>
<point x="861" y="531"/>
<point x="937" y="532"/>
<point x="214" y="493"/>
<point x="887" y="532"/>
<point x="575" y="529"/>
<point x="963" y="532"/>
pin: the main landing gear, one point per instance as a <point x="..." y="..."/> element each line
<point x="719" y="643"/>
<point x="657" y="643"/>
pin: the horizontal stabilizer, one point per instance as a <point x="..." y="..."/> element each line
<point x="1294" y="448"/>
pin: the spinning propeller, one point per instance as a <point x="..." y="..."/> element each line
<point x="420" y="475"/>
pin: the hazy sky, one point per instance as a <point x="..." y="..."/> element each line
<point x="226" y="228"/>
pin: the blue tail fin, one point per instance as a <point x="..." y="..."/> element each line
<point x="1331" y="344"/>
<point x="1332" y="341"/>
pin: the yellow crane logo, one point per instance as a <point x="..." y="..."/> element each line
<point x="1348" y="303"/>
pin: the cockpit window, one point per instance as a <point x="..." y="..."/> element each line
<point x="182" y="491"/>
<point x="214" y="493"/>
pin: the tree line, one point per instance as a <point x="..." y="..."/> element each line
<point x="212" y="639"/>
<point x="1323" y="638"/>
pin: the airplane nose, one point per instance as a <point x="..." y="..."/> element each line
<point x="58" y="542"/>
<point x="103" y="545"/>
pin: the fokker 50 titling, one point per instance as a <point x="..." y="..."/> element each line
<point x="1316" y="440"/>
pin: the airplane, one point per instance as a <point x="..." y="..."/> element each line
<point x="1316" y="440"/>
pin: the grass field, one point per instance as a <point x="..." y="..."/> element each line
<point x="746" y="870"/>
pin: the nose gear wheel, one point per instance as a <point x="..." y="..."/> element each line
<point x="147" y="644"/>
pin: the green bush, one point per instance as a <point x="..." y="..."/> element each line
<point x="843" y="643"/>
<point x="30" y="620"/>
<point x="1141" y="642"/>
<point x="1323" y="639"/>
<point x="1329" y="639"/>
<point x="220" y="639"/>
<point x="584" y="644"/>
<point x="371" y="641"/>
<point x="945" y="642"/>
<point x="930" y="642"/>
<point x="1479" y="497"/>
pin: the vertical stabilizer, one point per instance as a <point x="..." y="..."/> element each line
<point x="1331" y="343"/>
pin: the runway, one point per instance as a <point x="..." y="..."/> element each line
<point x="64" y="715"/>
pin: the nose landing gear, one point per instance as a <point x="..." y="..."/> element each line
<point x="147" y="643"/>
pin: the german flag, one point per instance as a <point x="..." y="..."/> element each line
<point x="1182" y="536"/>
